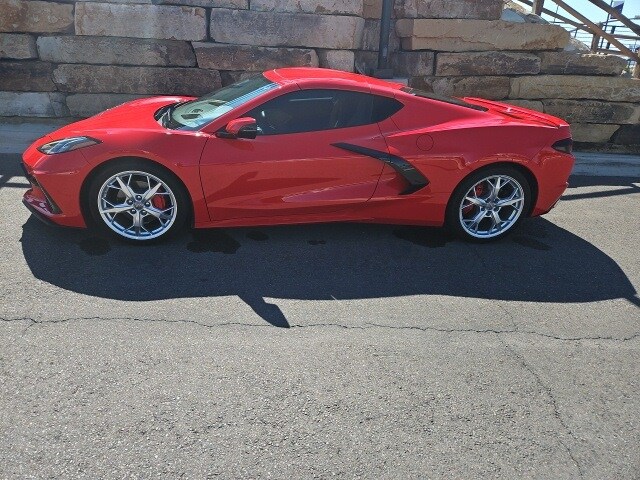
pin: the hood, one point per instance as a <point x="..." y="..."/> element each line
<point x="138" y="114"/>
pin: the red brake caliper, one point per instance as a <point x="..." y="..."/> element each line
<point x="479" y="191"/>
<point x="159" y="202"/>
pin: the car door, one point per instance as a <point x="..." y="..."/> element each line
<point x="293" y="166"/>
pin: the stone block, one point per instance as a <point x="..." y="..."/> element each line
<point x="422" y="83"/>
<point x="328" y="7"/>
<point x="371" y="37"/>
<point x="573" y="63"/>
<point x="17" y="46"/>
<point x="614" y="89"/>
<point x="245" y="57"/>
<point x="479" y="35"/>
<point x="467" y="9"/>
<point x="241" y="4"/>
<point x="406" y="8"/>
<point x="247" y="27"/>
<point x="404" y="64"/>
<point x="365" y="61"/>
<point x="141" y="21"/>
<point x="487" y="63"/>
<point x="88" y="104"/>
<point x="592" y="132"/>
<point x="232" y="77"/>
<point x="591" y="111"/>
<point x="35" y="16"/>
<point x="530" y="104"/>
<point x="26" y="76"/>
<point x="627" y="135"/>
<point x="372" y="9"/>
<point x="412" y="64"/>
<point x="145" y="2"/>
<point x="135" y="80"/>
<point x="116" y="51"/>
<point x="491" y="88"/>
<point x="32" y="104"/>
<point x="337" y="59"/>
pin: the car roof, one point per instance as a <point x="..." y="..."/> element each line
<point x="302" y="75"/>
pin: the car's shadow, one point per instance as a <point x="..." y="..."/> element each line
<point x="539" y="263"/>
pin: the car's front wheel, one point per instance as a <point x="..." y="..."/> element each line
<point x="137" y="201"/>
<point x="488" y="204"/>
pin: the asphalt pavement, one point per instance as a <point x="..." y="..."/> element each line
<point x="339" y="350"/>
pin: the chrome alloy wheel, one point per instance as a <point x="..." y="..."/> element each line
<point x="491" y="206"/>
<point x="137" y="205"/>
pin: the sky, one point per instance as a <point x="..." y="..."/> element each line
<point x="631" y="9"/>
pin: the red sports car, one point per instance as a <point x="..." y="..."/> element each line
<point x="299" y="145"/>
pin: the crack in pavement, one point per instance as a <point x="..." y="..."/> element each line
<point x="366" y="326"/>
<point x="554" y="403"/>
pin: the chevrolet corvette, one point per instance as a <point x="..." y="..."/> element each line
<point x="301" y="145"/>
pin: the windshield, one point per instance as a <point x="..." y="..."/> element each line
<point x="196" y="113"/>
<point x="442" y="98"/>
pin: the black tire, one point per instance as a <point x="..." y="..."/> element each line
<point x="461" y="218"/>
<point x="171" y="191"/>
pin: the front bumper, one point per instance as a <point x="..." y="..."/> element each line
<point x="55" y="182"/>
<point x="37" y="211"/>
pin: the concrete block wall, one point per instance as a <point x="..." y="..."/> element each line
<point x="75" y="58"/>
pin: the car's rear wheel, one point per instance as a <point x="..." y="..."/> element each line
<point x="136" y="201"/>
<point x="489" y="204"/>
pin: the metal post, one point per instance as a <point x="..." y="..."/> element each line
<point x="606" y="25"/>
<point x="537" y="7"/>
<point x="383" y="70"/>
<point x="613" y="31"/>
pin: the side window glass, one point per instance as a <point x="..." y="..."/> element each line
<point x="384" y="107"/>
<point x="313" y="110"/>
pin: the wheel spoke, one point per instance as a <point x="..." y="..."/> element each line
<point x="123" y="207"/>
<point x="474" y="222"/>
<point x="511" y="200"/>
<point x="495" y="188"/>
<point x="151" y="192"/>
<point x="496" y="220"/>
<point x="475" y="201"/>
<point x="508" y="202"/>
<point x="125" y="188"/>
<point x="137" y="222"/>
<point x="159" y="214"/>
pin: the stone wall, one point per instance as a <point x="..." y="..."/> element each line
<point x="74" y="59"/>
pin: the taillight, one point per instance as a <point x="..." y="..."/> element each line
<point x="564" y="146"/>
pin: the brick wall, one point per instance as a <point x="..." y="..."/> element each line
<point x="74" y="59"/>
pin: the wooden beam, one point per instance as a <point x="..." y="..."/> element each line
<point x="538" y="6"/>
<point x="617" y="15"/>
<point x="597" y="30"/>
<point x="625" y="37"/>
<point x="553" y="14"/>
<point x="607" y="52"/>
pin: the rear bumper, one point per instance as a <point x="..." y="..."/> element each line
<point x="552" y="175"/>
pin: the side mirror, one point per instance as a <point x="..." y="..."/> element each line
<point x="243" y="127"/>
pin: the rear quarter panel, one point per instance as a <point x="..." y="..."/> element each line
<point x="447" y="143"/>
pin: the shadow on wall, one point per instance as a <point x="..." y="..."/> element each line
<point x="540" y="263"/>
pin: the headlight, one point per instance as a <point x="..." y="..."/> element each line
<point x="67" y="144"/>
